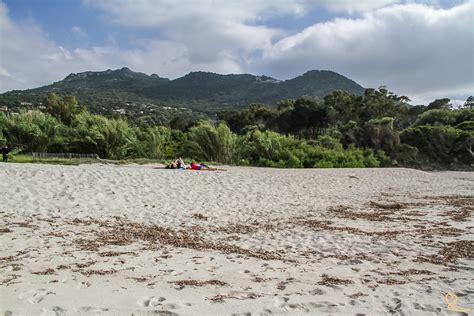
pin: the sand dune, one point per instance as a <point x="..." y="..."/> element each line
<point x="136" y="240"/>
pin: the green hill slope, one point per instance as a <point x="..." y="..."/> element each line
<point x="135" y="93"/>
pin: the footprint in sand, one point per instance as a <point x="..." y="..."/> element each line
<point x="176" y="273"/>
<point x="37" y="296"/>
<point x="52" y="311"/>
<point x="317" y="291"/>
<point x="83" y="285"/>
<point x="280" y="302"/>
<point x="91" y="310"/>
<point x="170" y="306"/>
<point x="151" y="301"/>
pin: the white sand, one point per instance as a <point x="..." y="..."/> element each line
<point x="46" y="209"/>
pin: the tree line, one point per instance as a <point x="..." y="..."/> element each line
<point x="376" y="129"/>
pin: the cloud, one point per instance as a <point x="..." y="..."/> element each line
<point x="79" y="33"/>
<point x="168" y="58"/>
<point x="208" y="29"/>
<point x="28" y="58"/>
<point x="414" y="49"/>
<point x="420" y="50"/>
<point x="4" y="73"/>
<point x="352" y="7"/>
<point x="168" y="13"/>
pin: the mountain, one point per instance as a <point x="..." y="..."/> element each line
<point x="139" y="93"/>
<point x="214" y="91"/>
<point x="111" y="78"/>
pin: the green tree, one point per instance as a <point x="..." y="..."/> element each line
<point x="436" y="117"/>
<point x="469" y="103"/>
<point x="380" y="135"/>
<point x="382" y="103"/>
<point x="63" y="109"/>
<point x="346" y="105"/>
<point x="440" y="104"/>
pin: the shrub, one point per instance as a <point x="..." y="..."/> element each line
<point x="270" y="149"/>
<point x="436" y="117"/>
<point x="153" y="142"/>
<point x="32" y="131"/>
<point x="440" y="144"/>
<point x="406" y="155"/>
<point x="109" y="138"/>
<point x="466" y="126"/>
<point x="212" y="143"/>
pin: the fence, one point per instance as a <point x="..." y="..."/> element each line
<point x="40" y="156"/>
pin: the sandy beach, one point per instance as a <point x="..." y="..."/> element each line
<point x="122" y="240"/>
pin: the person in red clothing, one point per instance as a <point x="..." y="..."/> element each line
<point x="195" y="166"/>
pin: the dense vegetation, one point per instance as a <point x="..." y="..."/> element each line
<point x="341" y="130"/>
<point x="153" y="100"/>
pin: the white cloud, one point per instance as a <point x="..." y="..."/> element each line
<point x="208" y="29"/>
<point x="422" y="51"/>
<point x="153" y="13"/>
<point x="168" y="59"/>
<point x="28" y="58"/>
<point x="413" y="49"/>
<point x="79" y="33"/>
<point x="351" y="6"/>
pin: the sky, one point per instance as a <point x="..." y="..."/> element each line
<point x="423" y="49"/>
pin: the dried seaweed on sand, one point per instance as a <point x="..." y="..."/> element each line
<point x="458" y="249"/>
<point x="196" y="283"/>
<point x="98" y="272"/>
<point x="391" y="281"/>
<point x="122" y="233"/>
<point x="45" y="272"/>
<point x="200" y="216"/>
<point x="450" y="253"/>
<point x="330" y="281"/>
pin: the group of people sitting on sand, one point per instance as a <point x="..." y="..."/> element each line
<point x="179" y="164"/>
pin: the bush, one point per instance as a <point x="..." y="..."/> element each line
<point x="436" y="117"/>
<point x="351" y="158"/>
<point x="406" y="155"/>
<point x="109" y="138"/>
<point x="466" y="126"/>
<point x="441" y="144"/>
<point x="270" y="149"/>
<point x="445" y="117"/>
<point x="32" y="131"/>
<point x="208" y="142"/>
<point x="153" y="143"/>
<point x="329" y="142"/>
<point x="464" y="115"/>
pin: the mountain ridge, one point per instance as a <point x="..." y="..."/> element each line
<point x="106" y="91"/>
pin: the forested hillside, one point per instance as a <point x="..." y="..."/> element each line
<point x="156" y="100"/>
